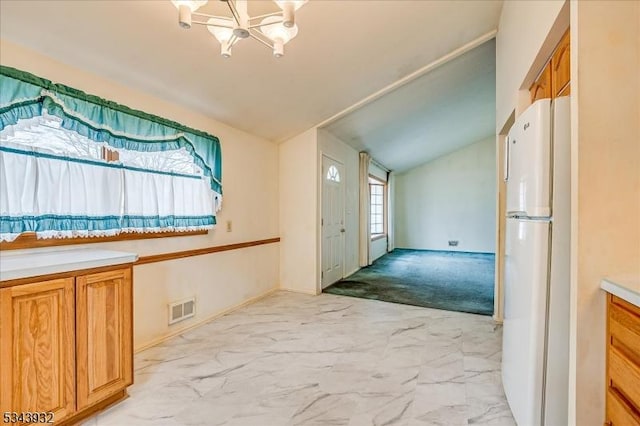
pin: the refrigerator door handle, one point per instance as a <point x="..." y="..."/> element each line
<point x="506" y="159"/>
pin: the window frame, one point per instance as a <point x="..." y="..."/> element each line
<point x="375" y="181"/>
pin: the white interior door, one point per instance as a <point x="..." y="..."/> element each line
<point x="332" y="221"/>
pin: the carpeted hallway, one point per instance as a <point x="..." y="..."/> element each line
<point x="453" y="281"/>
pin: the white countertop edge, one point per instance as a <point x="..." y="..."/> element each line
<point x="45" y="263"/>
<point x="621" y="291"/>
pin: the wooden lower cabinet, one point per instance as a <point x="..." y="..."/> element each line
<point x="37" y="355"/>
<point x="66" y="344"/>
<point x="623" y="363"/>
<point x="104" y="335"/>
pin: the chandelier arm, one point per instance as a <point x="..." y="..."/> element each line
<point x="254" y="35"/>
<point x="234" y="11"/>
<point x="206" y="24"/>
<point x="206" y="15"/>
<point x="266" y="15"/>
<point x="233" y="40"/>
<point x="265" y="25"/>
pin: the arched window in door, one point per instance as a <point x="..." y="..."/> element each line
<point x="333" y="174"/>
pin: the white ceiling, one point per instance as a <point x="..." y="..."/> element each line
<point x="440" y="112"/>
<point x="345" y="50"/>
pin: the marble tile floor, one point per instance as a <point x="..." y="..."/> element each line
<point x="293" y="359"/>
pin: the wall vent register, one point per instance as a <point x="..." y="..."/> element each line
<point x="182" y="310"/>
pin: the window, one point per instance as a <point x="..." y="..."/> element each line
<point x="333" y="174"/>
<point x="377" y="192"/>
<point x="74" y="165"/>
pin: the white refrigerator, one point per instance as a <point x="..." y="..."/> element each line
<point x="535" y="346"/>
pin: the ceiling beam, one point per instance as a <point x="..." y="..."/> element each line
<point x="410" y="77"/>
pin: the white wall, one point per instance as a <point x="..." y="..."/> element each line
<point x="521" y="42"/>
<point x="299" y="212"/>
<point x="378" y="248"/>
<point x="340" y="151"/>
<point x="377" y="171"/>
<point x="250" y="176"/>
<point x="449" y="198"/>
<point x="605" y="182"/>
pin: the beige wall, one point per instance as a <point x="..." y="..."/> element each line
<point x="299" y="212"/>
<point x="526" y="35"/>
<point x="605" y="37"/>
<point x="250" y="177"/>
<point x="449" y="198"/>
<point x="605" y="138"/>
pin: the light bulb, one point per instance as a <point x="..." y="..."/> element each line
<point x="273" y="28"/>
<point x="289" y="8"/>
<point x="185" y="9"/>
<point x="297" y="4"/>
<point x="221" y="31"/>
<point x="193" y="5"/>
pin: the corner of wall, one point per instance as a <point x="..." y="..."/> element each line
<point x="298" y="204"/>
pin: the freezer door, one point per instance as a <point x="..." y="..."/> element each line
<point x="528" y="156"/>
<point x="523" y="343"/>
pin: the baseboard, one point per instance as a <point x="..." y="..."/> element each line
<point x="295" y="290"/>
<point x="447" y="251"/>
<point x="352" y="272"/>
<point x="210" y="318"/>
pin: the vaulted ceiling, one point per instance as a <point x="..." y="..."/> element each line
<point x="439" y="112"/>
<point x="345" y="51"/>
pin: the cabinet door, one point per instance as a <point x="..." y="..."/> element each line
<point x="103" y="335"/>
<point x="561" y="67"/>
<point x="541" y="88"/>
<point x="37" y="348"/>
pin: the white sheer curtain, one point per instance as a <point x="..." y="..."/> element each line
<point x="57" y="198"/>
<point x="54" y="182"/>
<point x="391" y="184"/>
<point x="61" y="197"/>
<point x="365" y="218"/>
<point x="156" y="202"/>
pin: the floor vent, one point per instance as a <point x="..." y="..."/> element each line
<point x="179" y="311"/>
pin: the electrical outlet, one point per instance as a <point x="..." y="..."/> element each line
<point x="453" y="243"/>
<point x="229" y="227"/>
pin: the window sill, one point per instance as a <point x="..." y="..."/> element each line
<point x="29" y="240"/>
<point x="378" y="237"/>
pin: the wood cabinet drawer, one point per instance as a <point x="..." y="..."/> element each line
<point x="624" y="329"/>
<point x="624" y="376"/>
<point x="619" y="413"/>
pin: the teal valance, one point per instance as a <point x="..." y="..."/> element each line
<point x="24" y="95"/>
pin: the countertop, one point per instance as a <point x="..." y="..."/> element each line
<point x="14" y="266"/>
<point x="625" y="287"/>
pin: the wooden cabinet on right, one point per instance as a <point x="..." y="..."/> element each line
<point x="561" y="68"/>
<point x="541" y="88"/>
<point x="623" y="363"/>
<point x="554" y="80"/>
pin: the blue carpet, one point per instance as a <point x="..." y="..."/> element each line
<point x="453" y="281"/>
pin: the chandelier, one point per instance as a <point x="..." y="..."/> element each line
<point x="273" y="30"/>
